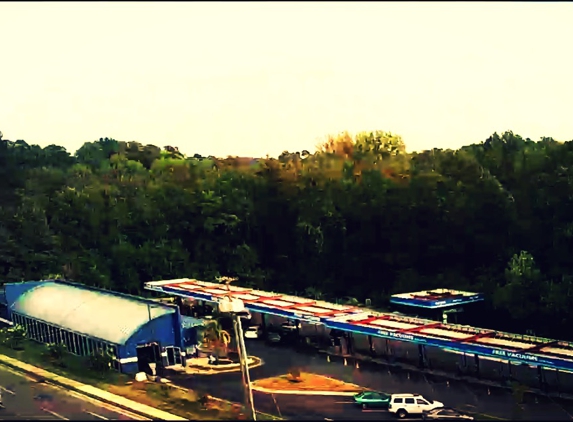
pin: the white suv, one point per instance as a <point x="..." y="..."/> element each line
<point x="403" y="404"/>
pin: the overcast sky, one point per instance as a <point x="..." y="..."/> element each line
<point x="254" y="78"/>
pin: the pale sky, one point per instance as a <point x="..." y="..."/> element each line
<point x="254" y="78"/>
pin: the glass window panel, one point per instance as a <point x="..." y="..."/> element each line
<point x="42" y="331"/>
<point x="73" y="343"/>
<point x="36" y="330"/>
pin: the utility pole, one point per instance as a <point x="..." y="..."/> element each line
<point x="236" y="308"/>
<point x="247" y="377"/>
<point x="236" y="322"/>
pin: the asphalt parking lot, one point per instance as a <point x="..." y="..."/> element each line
<point x="494" y="402"/>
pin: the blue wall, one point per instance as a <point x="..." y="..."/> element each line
<point x="163" y="330"/>
<point x="15" y="290"/>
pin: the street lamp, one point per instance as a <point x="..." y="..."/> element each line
<point x="236" y="308"/>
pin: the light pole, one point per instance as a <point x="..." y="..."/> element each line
<point x="236" y="308"/>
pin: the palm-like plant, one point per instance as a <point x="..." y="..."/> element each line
<point x="213" y="336"/>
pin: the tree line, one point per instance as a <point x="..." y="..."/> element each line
<point x="360" y="217"/>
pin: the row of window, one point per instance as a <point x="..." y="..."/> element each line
<point x="75" y="343"/>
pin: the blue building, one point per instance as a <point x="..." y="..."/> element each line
<point x="136" y="331"/>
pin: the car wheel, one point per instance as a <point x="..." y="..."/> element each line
<point x="401" y="413"/>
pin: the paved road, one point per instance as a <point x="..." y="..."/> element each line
<point x="493" y="401"/>
<point x="24" y="398"/>
<point x="321" y="408"/>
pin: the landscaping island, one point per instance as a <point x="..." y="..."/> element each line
<point x="305" y="381"/>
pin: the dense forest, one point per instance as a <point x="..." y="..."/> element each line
<point x="359" y="218"/>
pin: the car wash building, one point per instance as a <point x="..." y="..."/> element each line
<point x="136" y="332"/>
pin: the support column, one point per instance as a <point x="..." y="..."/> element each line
<point x="371" y="346"/>
<point x="476" y="359"/>
<point x="540" y="377"/>
<point x="423" y="360"/>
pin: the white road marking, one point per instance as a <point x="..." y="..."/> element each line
<point x="57" y="415"/>
<point x="7" y="390"/>
<point x="344" y="402"/>
<point x="96" y="415"/>
<point x="20" y="374"/>
<point x="374" y="410"/>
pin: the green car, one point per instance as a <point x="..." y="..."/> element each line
<point x="372" y="399"/>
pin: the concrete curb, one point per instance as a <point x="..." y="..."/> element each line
<point x="85" y="390"/>
<point x="304" y="392"/>
<point x="256" y="363"/>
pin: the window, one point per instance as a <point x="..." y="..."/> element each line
<point x="42" y="329"/>
<point x="90" y="346"/>
<point x="115" y="362"/>
<point x="35" y="333"/>
<point x="67" y="340"/>
<point x="31" y="324"/>
<point x="75" y="341"/>
<point x="398" y="401"/>
<point x="81" y="346"/>
<point x="420" y="401"/>
<point x="409" y="401"/>
<point x="24" y="322"/>
<point x="51" y="334"/>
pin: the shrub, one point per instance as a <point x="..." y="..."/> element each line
<point x="13" y="336"/>
<point x="295" y="374"/>
<point x="55" y="352"/>
<point x="100" y="361"/>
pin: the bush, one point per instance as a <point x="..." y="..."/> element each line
<point x="100" y="361"/>
<point x="295" y="374"/>
<point x="55" y="352"/>
<point x="13" y="336"/>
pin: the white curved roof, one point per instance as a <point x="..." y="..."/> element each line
<point x="102" y="315"/>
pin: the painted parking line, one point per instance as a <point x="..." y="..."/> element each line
<point x="7" y="390"/>
<point x="96" y="415"/>
<point x="57" y="415"/>
<point x="344" y="402"/>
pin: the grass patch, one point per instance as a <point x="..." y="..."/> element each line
<point x="71" y="366"/>
<point x="170" y="399"/>
<point x="307" y="382"/>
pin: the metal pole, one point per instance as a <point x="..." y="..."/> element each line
<point x="245" y="357"/>
<point x="240" y="352"/>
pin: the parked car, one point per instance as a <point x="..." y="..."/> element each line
<point x="403" y="405"/>
<point x="253" y="332"/>
<point x="446" y="413"/>
<point x="368" y="399"/>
